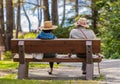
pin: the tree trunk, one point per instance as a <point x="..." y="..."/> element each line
<point x="46" y="10"/>
<point x="39" y="13"/>
<point x="9" y="23"/>
<point x="94" y="16"/>
<point x="64" y="8"/>
<point x="76" y="7"/>
<point x="1" y="24"/>
<point x="18" y="19"/>
<point x="54" y="12"/>
<point x="27" y="17"/>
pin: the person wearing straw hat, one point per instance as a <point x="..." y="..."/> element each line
<point x="82" y="31"/>
<point x="46" y="33"/>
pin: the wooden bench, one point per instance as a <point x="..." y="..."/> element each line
<point x="64" y="46"/>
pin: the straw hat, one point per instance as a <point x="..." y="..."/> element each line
<point x="82" y="22"/>
<point x="48" y="26"/>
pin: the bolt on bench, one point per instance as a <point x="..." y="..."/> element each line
<point x="22" y="46"/>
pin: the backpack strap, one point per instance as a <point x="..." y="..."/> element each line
<point x="83" y="33"/>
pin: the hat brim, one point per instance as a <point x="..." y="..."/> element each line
<point x="86" y="26"/>
<point x="51" y="28"/>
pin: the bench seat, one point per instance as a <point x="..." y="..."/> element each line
<point x="63" y="58"/>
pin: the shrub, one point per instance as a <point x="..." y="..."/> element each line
<point x="7" y="55"/>
<point x="62" y="32"/>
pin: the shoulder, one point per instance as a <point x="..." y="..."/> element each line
<point x="74" y="30"/>
<point x="88" y="30"/>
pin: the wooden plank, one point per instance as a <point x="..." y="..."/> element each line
<point x="21" y="52"/>
<point x="22" y="71"/>
<point x="89" y="70"/>
<point x="89" y="60"/>
<point x="62" y="59"/>
<point x="89" y="52"/>
<point x="58" y="46"/>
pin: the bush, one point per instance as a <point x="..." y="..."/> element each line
<point x="30" y="35"/>
<point x="7" y="55"/>
<point x="62" y="32"/>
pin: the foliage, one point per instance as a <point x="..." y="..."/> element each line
<point x="110" y="31"/>
<point x="7" y="55"/>
<point x="62" y="32"/>
<point x="59" y="32"/>
<point x="28" y="35"/>
<point x="101" y="77"/>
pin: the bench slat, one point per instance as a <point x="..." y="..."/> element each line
<point x="61" y="59"/>
<point x="55" y="46"/>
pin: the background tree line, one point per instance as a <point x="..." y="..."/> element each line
<point x="104" y="19"/>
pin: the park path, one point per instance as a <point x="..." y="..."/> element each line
<point x="110" y="69"/>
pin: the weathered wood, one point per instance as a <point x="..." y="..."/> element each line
<point x="26" y="72"/>
<point x="58" y="45"/>
<point x="22" y="71"/>
<point x="21" y="52"/>
<point x="76" y="59"/>
<point x="55" y="46"/>
<point x="89" y="70"/>
<point x="89" y="60"/>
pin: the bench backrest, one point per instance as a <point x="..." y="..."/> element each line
<point x="54" y="46"/>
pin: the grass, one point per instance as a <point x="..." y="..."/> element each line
<point x="9" y="76"/>
<point x="8" y="65"/>
<point x="14" y="65"/>
<point x="100" y="78"/>
<point x="16" y="81"/>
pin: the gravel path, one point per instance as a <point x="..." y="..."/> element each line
<point x="110" y="69"/>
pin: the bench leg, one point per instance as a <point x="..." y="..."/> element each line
<point x="26" y="72"/>
<point x="89" y="71"/>
<point x="89" y="61"/>
<point x="23" y="71"/>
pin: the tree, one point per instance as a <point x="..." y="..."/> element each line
<point x="76" y="7"/>
<point x="54" y="12"/>
<point x="18" y="19"/>
<point x="46" y="10"/>
<point x="27" y="17"/>
<point x="1" y="24"/>
<point x="9" y="23"/>
<point x="109" y="28"/>
<point x="39" y="2"/>
<point x="94" y="16"/>
<point x="63" y="19"/>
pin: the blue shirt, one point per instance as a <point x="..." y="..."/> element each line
<point x="44" y="35"/>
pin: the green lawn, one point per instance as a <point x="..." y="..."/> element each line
<point x="15" y="81"/>
<point x="14" y="65"/>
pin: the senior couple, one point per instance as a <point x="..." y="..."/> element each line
<point x="81" y="31"/>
